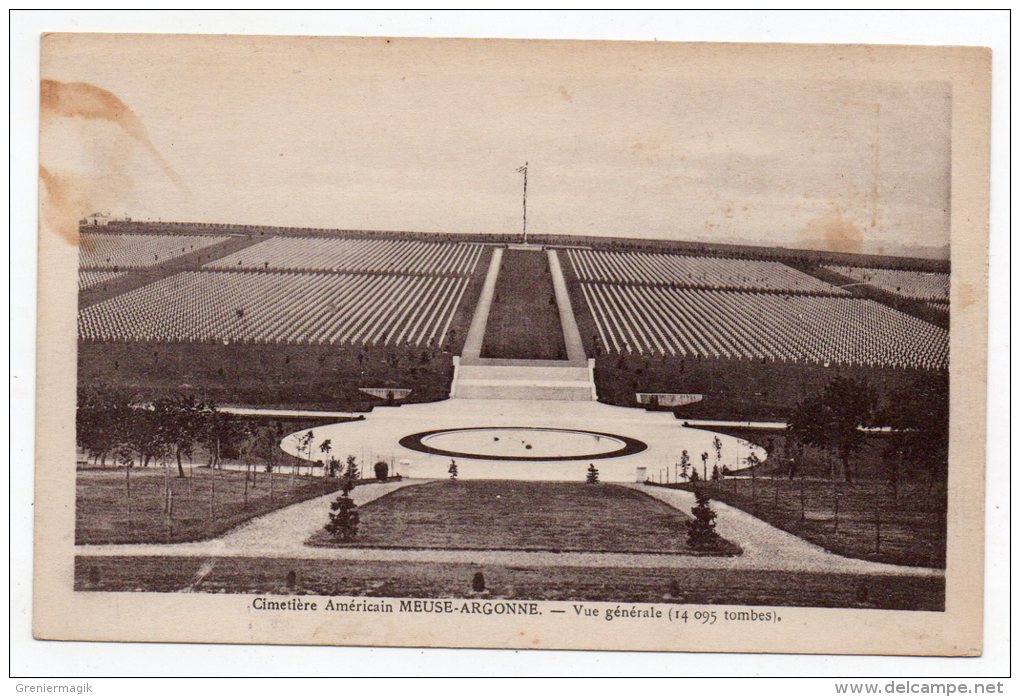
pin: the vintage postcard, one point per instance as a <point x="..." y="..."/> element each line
<point x="521" y="344"/>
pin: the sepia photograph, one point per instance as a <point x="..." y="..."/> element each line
<point x="422" y="330"/>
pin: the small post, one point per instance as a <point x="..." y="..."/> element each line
<point x="166" y="487"/>
<point x="127" y="471"/>
<point x="170" y="515"/>
<point x="835" y="516"/>
<point x="878" y="526"/>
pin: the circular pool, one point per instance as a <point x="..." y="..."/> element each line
<point x="522" y="443"/>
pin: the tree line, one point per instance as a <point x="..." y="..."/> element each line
<point x="111" y="425"/>
<point x="916" y="416"/>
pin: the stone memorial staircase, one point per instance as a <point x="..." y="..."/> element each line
<point x="570" y="380"/>
<point x="517" y="379"/>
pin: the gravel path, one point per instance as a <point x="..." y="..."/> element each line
<point x="281" y="534"/>
<point x="284" y="531"/>
<point x="476" y="331"/>
<point x="571" y="335"/>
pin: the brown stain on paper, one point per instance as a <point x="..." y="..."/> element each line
<point x="69" y="197"/>
<point x="61" y="203"/>
<point x="86" y="101"/>
<point x="968" y="295"/>
<point x="835" y="232"/>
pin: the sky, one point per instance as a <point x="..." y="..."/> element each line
<point x="630" y="140"/>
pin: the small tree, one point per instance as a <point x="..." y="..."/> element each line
<point x="704" y="465"/>
<point x="326" y="447"/>
<point x="305" y="443"/>
<point x="382" y="471"/>
<point x="343" y="518"/>
<point x="267" y="447"/>
<point x="833" y="419"/>
<point x="333" y="467"/>
<point x="180" y="421"/>
<point x="685" y="465"/>
<point x="752" y="463"/>
<point x="716" y="474"/>
<point x="346" y="485"/>
<point x="126" y="457"/>
<point x="247" y="453"/>
<point x="593" y="475"/>
<point x="353" y="471"/>
<point x="717" y="446"/>
<point x="453" y="470"/>
<point x="753" y="460"/>
<point x="701" y="531"/>
<point x="217" y="430"/>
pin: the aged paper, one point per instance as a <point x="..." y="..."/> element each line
<point x="530" y="344"/>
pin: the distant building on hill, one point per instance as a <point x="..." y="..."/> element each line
<point x="97" y="219"/>
<point x="102" y="219"/>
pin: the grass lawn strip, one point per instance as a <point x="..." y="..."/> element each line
<point x="524" y="320"/>
<point x="434" y="580"/>
<point x="206" y="504"/>
<point x="519" y="515"/>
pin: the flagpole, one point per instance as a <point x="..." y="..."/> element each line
<point x="524" y="170"/>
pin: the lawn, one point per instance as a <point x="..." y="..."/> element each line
<point x="207" y="503"/>
<point x="911" y="529"/>
<point x="429" y="580"/>
<point x="524" y="320"/>
<point x="505" y="515"/>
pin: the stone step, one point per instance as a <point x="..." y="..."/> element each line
<point x="524" y="362"/>
<point x="518" y="374"/>
<point x="518" y="383"/>
<point x="480" y="389"/>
